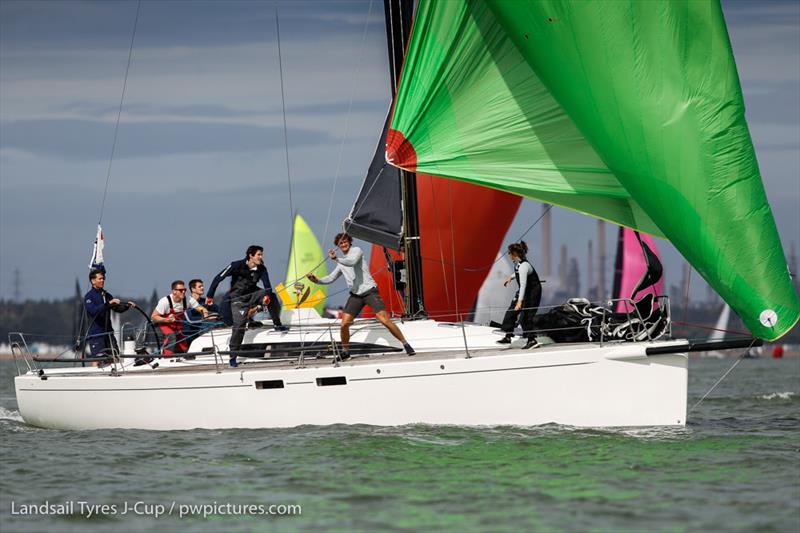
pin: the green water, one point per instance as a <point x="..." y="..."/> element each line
<point x="735" y="467"/>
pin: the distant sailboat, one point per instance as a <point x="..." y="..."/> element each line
<point x="722" y="324"/>
<point x="493" y="297"/>
<point x="718" y="334"/>
<point x="305" y="255"/>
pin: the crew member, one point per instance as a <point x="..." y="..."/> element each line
<point x="194" y="326"/>
<point x="363" y="291"/>
<point x="169" y="315"/>
<point x="526" y="301"/>
<point x="98" y="303"/>
<point x="245" y="295"/>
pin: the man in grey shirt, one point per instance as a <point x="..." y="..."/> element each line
<point x="363" y="291"/>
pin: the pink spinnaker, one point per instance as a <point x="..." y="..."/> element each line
<point x="631" y="266"/>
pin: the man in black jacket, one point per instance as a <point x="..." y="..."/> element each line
<point x="245" y="294"/>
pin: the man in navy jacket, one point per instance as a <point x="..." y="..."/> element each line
<point x="244" y="294"/>
<point x="98" y="302"/>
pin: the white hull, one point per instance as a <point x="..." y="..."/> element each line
<point x="579" y="385"/>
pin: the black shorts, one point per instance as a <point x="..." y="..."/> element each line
<point x="357" y="302"/>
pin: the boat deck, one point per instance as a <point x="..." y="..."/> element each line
<point x="312" y="362"/>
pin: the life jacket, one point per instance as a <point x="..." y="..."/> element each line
<point x="532" y="282"/>
<point x="169" y="327"/>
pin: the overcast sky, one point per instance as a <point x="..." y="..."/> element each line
<point x="199" y="170"/>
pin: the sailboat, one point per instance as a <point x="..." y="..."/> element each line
<point x="626" y="111"/>
<point x="718" y="334"/>
<point x="305" y="256"/>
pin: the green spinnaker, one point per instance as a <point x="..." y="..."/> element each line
<point x="306" y="256"/>
<point x="629" y="111"/>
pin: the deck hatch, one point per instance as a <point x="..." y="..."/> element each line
<point x="270" y="384"/>
<point x="335" y="380"/>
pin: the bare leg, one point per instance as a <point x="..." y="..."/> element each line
<point x="383" y="318"/>
<point x="344" y="331"/>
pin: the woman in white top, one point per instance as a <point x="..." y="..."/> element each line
<point x="526" y="301"/>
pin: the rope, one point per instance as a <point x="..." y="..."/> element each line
<point x="714" y="386"/>
<point x="347" y="120"/>
<point x="119" y="112"/>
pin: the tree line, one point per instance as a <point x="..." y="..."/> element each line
<point x="57" y="321"/>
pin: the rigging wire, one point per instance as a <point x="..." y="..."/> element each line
<point x="709" y="328"/>
<point x="453" y="251"/>
<point x="119" y="111"/>
<point x="285" y="131"/>
<point x="547" y="210"/>
<point x="116" y="132"/>
<point x="441" y="246"/>
<point x="714" y="386"/>
<point x="347" y="119"/>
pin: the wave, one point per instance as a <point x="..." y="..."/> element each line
<point x="10" y="414"/>
<point x="777" y="396"/>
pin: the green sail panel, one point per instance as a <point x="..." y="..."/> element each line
<point x="627" y="111"/>
<point x="305" y="256"/>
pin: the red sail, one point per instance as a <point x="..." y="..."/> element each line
<point x="462" y="227"/>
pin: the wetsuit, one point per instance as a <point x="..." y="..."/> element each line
<point x="100" y="337"/>
<point x="531" y="288"/>
<point x="244" y="294"/>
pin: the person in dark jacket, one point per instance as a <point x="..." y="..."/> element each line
<point x="244" y="294"/>
<point x="526" y="301"/>
<point x="98" y="303"/>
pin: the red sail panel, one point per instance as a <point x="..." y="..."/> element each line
<point x="462" y="227"/>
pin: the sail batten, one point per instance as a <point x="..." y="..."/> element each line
<point x="627" y="111"/>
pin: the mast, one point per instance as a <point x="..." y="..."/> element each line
<point x="398" y="27"/>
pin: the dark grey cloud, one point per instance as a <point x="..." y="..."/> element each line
<point x="86" y="139"/>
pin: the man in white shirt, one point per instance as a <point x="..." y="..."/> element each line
<point x="169" y="315"/>
<point x="363" y="291"/>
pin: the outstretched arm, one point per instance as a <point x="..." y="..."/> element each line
<point x="330" y="278"/>
<point x="224" y="273"/>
